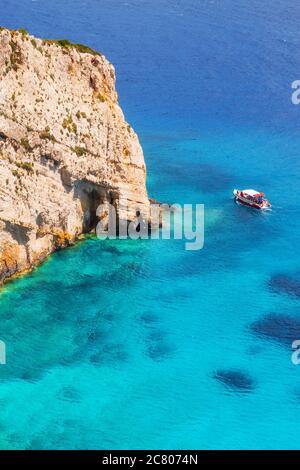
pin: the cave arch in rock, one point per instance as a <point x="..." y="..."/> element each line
<point x="91" y="196"/>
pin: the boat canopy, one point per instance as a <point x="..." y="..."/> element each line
<point x="252" y="193"/>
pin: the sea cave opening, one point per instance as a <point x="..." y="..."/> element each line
<point x="91" y="196"/>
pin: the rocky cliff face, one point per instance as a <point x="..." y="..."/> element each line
<point x="65" y="147"/>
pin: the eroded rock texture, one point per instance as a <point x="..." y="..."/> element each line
<point x="65" y="147"/>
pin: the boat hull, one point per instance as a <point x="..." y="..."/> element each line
<point x="247" y="203"/>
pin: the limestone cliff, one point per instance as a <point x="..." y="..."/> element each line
<point x="65" y="147"/>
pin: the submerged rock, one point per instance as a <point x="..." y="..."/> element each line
<point x="282" y="328"/>
<point x="158" y="345"/>
<point x="286" y="284"/>
<point x="160" y="350"/>
<point x="235" y="379"/>
<point x="65" y="148"/>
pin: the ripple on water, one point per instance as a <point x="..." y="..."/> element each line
<point x="208" y="177"/>
<point x="113" y="354"/>
<point x="149" y="319"/>
<point x="70" y="393"/>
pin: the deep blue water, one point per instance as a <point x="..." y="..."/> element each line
<point x="141" y="344"/>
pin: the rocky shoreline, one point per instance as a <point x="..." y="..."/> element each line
<point x="65" y="148"/>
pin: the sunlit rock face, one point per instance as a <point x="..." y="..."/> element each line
<point x="65" y="148"/>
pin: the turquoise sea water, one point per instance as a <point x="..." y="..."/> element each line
<point x="141" y="344"/>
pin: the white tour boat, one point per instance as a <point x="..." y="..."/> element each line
<point x="252" y="198"/>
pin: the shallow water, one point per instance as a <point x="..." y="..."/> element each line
<point x="141" y="344"/>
